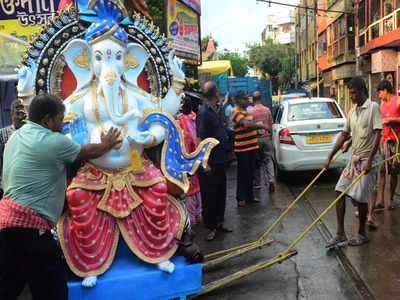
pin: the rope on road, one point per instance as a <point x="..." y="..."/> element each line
<point x="285" y="212"/>
<point x="301" y="236"/>
<point x="288" y="252"/>
<point x="261" y="241"/>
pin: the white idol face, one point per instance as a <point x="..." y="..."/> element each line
<point x="107" y="54"/>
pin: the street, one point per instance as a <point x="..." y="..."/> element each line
<point x="313" y="273"/>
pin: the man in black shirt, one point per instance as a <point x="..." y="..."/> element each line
<point x="210" y="123"/>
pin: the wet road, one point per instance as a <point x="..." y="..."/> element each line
<point x="311" y="274"/>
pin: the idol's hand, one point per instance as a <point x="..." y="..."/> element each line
<point x="79" y="130"/>
<point x="176" y="67"/>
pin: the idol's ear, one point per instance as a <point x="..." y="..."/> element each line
<point x="135" y="60"/>
<point x="77" y="56"/>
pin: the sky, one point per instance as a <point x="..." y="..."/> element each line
<point x="235" y="23"/>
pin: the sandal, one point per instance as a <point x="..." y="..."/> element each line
<point x="358" y="240"/>
<point x="379" y="206"/>
<point x="372" y="225"/>
<point x="211" y="235"/>
<point x="338" y="239"/>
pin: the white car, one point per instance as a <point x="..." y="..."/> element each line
<point x="305" y="131"/>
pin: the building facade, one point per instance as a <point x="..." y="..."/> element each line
<point x="280" y="29"/>
<point x="333" y="22"/>
<point x="378" y="42"/>
<point x="305" y="28"/>
<point x="355" y="37"/>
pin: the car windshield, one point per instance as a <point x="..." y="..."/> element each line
<point x="313" y="111"/>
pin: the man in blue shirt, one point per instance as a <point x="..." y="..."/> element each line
<point x="210" y="123"/>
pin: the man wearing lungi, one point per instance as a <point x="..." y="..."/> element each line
<point x="364" y="126"/>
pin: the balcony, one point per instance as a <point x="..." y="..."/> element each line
<point x="379" y="28"/>
<point x="342" y="47"/>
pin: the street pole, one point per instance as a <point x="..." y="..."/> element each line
<point x="316" y="44"/>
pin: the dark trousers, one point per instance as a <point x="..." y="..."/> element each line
<point x="213" y="195"/>
<point x="29" y="258"/>
<point x="246" y="163"/>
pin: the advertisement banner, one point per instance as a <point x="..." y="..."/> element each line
<point x="19" y="21"/>
<point x="184" y="31"/>
<point x="194" y="4"/>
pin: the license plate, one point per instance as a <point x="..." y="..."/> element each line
<point x="319" y="139"/>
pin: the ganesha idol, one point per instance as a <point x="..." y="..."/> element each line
<point x="121" y="195"/>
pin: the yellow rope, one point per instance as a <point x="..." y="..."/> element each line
<point x="261" y="241"/>
<point x="285" y="212"/>
<point x="242" y="273"/>
<point x="288" y="251"/>
<point x="230" y="250"/>
<point x="300" y="237"/>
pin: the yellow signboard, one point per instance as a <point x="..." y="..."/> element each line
<point x="183" y="31"/>
<point x="19" y="22"/>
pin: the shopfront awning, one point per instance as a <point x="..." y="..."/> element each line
<point x="216" y="67"/>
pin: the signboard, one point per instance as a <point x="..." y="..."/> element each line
<point x="194" y="4"/>
<point x="184" y="31"/>
<point x="19" y="21"/>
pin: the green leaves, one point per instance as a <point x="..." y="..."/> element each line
<point x="275" y="61"/>
<point x="156" y="12"/>
<point x="240" y="63"/>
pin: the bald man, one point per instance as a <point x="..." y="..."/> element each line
<point x="210" y="123"/>
<point x="264" y="171"/>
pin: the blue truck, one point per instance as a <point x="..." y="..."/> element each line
<point x="247" y="84"/>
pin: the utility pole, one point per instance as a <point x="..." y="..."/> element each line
<point x="316" y="44"/>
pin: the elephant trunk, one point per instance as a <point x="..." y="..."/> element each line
<point x="110" y="85"/>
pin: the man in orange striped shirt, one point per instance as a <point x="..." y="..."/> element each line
<point x="245" y="147"/>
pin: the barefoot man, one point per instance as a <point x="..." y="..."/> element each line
<point x="364" y="126"/>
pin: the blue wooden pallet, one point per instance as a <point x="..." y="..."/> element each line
<point x="129" y="279"/>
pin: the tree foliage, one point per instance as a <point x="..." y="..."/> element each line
<point x="156" y="8"/>
<point x="240" y="63"/>
<point x="204" y="43"/>
<point x="277" y="61"/>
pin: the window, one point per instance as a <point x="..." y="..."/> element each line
<point x="336" y="29"/>
<point x="342" y="24"/>
<point x="322" y="44"/>
<point x="313" y="111"/>
<point x="361" y="14"/>
<point x="350" y="24"/>
<point x="332" y="35"/>
<point x="375" y="10"/>
<point x="387" y="7"/>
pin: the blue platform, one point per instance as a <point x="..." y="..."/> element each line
<point x="129" y="279"/>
